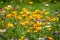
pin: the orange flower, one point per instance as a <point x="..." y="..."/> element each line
<point x="8" y="16"/>
<point x="39" y="28"/>
<point x="30" y="3"/>
<point x="50" y="38"/>
<point x="31" y="23"/>
<point x="14" y="13"/>
<point x="23" y="23"/>
<point x="1" y="31"/>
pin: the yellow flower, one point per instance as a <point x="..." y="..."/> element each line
<point x="24" y="10"/>
<point x="22" y="23"/>
<point x="35" y="30"/>
<point x="19" y="18"/>
<point x="46" y="12"/>
<point x="53" y="19"/>
<point x="37" y="10"/>
<point x="50" y="38"/>
<point x="7" y="8"/>
<point x="39" y="23"/>
<point x="24" y="15"/>
<point x="47" y="17"/>
<point x="10" y="25"/>
<point x="27" y="30"/>
<point x="27" y="21"/>
<point x="30" y="17"/>
<point x="8" y="15"/>
<point x="39" y="28"/>
<point x="22" y="37"/>
<point x="14" y="13"/>
<point x="30" y="2"/>
<point x="15" y="16"/>
<point x="21" y="12"/>
<point x="49" y="28"/>
<point x="58" y="14"/>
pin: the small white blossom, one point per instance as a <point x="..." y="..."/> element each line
<point x="4" y="30"/>
<point x="26" y="39"/>
<point x="9" y="6"/>
<point x="12" y="39"/>
<point x="47" y="5"/>
<point x="3" y="12"/>
<point x="41" y="38"/>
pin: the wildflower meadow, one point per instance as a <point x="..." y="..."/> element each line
<point x="29" y="19"/>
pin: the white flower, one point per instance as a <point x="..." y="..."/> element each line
<point x="15" y="23"/>
<point x="12" y="39"/>
<point x="59" y="24"/>
<point x="3" y="12"/>
<point x="47" y="26"/>
<point x="46" y="4"/>
<point x="9" y="6"/>
<point x="48" y="23"/>
<point x="26" y="39"/>
<point x="20" y="0"/>
<point x="41" y="38"/>
<point x="4" y="30"/>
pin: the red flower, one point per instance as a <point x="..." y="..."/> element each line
<point x="46" y="20"/>
<point x="0" y="9"/>
<point x="14" y="8"/>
